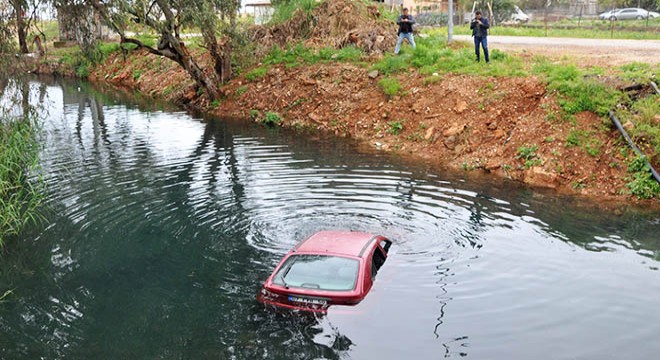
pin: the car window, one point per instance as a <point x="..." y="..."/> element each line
<point x="377" y="261"/>
<point x="385" y="244"/>
<point x="332" y="273"/>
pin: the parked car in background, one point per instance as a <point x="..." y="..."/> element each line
<point x="329" y="268"/>
<point x="632" y="14"/>
<point x="519" y="16"/>
<point x="608" y="14"/>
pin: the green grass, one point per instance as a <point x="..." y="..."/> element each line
<point x="257" y="73"/>
<point x="390" y="86"/>
<point x="576" y="89"/>
<point x="302" y="55"/>
<point x="20" y="196"/>
<point x="432" y="55"/>
<point x="286" y="10"/>
<point x="600" y="30"/>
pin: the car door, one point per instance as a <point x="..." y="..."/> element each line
<point x="627" y="14"/>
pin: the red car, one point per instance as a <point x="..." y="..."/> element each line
<point x="329" y="268"/>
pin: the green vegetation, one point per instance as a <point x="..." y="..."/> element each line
<point x="528" y="154"/>
<point x="300" y="54"/>
<point x="284" y="10"/>
<point x="595" y="29"/>
<point x="272" y="119"/>
<point x="257" y="73"/>
<point x="19" y="194"/>
<point x="642" y="184"/>
<point x="241" y="90"/>
<point x="394" y="127"/>
<point x="432" y="55"/>
<point x="390" y="86"/>
<point x="576" y="89"/>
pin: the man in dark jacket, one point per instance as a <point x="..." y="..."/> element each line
<point x="479" y="26"/>
<point x="405" y="22"/>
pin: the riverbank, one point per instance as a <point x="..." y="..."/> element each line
<point x="539" y="120"/>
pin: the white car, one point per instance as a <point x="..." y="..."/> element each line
<point x="519" y="16"/>
<point x="608" y="14"/>
<point x="630" y="14"/>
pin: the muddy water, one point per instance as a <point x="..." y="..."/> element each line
<point x="161" y="228"/>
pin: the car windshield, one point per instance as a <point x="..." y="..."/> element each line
<point x="332" y="273"/>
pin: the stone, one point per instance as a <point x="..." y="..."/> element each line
<point x="454" y="130"/>
<point x="384" y="115"/>
<point x="629" y="125"/>
<point x="538" y="176"/>
<point x="492" y="165"/>
<point x="461" y="106"/>
<point x="373" y="74"/>
<point x="492" y="125"/>
<point x="450" y="142"/>
<point x="656" y="119"/>
<point x="429" y="133"/>
<point x="499" y="134"/>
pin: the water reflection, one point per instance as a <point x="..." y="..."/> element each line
<point x="162" y="228"/>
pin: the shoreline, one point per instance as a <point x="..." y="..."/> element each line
<point x="459" y="122"/>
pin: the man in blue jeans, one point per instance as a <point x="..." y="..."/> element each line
<point x="479" y="26"/>
<point x="405" y="22"/>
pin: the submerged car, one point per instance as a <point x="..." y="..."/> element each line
<point x="328" y="268"/>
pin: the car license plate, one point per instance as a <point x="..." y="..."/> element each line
<point x="305" y="300"/>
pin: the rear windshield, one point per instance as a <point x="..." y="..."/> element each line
<point x="333" y="273"/>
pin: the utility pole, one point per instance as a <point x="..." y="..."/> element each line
<point x="450" y="21"/>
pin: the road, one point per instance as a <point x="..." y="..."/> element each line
<point x="597" y="51"/>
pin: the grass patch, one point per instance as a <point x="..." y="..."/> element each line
<point x="241" y="90"/>
<point x="256" y="74"/>
<point x="20" y="196"/>
<point x="577" y="92"/>
<point x="390" y="86"/>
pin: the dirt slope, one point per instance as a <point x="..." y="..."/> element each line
<point x="458" y="121"/>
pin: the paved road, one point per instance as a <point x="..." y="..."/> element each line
<point x="601" y="51"/>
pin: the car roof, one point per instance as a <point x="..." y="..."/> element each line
<point x="338" y="242"/>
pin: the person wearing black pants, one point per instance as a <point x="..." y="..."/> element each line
<point x="479" y="26"/>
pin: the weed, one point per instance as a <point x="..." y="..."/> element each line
<point x="642" y="184"/>
<point x="528" y="154"/>
<point x="549" y="139"/>
<point x="272" y="119"/>
<point x="432" y="79"/>
<point x="215" y="103"/>
<point x="256" y="74"/>
<point x="241" y="90"/>
<point x="574" y="138"/>
<point x="136" y="74"/>
<point x="390" y="86"/>
<point x="395" y="127"/>
<point x="254" y="114"/>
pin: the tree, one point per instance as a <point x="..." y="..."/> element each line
<point x="167" y="18"/>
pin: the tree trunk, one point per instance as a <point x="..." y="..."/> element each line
<point x="221" y="55"/>
<point x="21" y="27"/>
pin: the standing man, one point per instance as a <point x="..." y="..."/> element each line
<point x="405" y="22"/>
<point x="479" y="26"/>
